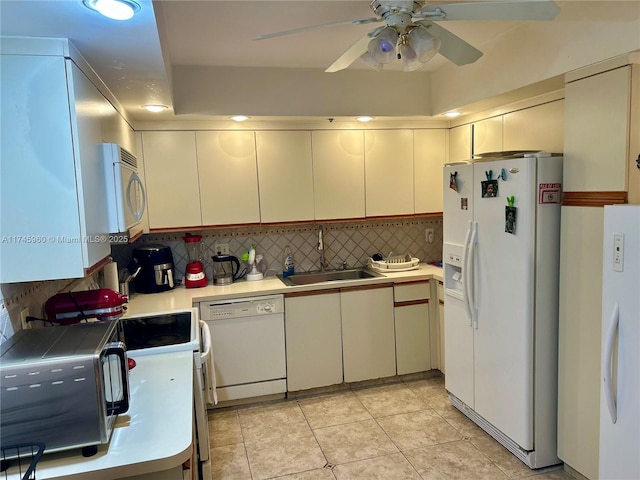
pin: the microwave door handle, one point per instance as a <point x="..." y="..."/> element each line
<point x="120" y="406"/>
<point x="137" y="212"/>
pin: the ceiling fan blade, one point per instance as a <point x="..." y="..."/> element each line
<point x="357" y="21"/>
<point x="351" y="55"/>
<point x="452" y="47"/>
<point x="505" y="10"/>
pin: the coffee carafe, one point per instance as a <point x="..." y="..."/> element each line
<point x="226" y="269"/>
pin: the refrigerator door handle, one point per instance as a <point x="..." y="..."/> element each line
<point x="472" y="270"/>
<point x="466" y="274"/>
<point x="607" y="364"/>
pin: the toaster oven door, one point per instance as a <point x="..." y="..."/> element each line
<point x="115" y="378"/>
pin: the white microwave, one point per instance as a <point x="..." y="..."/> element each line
<point x="125" y="191"/>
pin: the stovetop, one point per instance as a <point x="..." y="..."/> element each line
<point x="162" y="332"/>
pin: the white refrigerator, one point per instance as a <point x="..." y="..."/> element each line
<point x="501" y="229"/>
<point x="620" y="391"/>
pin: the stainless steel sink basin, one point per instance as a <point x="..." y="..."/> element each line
<point x="329" y="276"/>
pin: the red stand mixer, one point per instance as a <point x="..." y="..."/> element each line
<point x="194" y="275"/>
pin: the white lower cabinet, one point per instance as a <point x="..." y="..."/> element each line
<point x="313" y="333"/>
<point x="412" y="323"/>
<point x="368" y="339"/>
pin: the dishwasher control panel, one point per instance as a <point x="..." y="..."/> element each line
<point x="242" y="307"/>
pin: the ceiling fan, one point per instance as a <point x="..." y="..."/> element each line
<point x="412" y="35"/>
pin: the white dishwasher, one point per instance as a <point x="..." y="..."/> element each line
<point x="248" y="346"/>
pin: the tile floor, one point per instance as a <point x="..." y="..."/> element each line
<point x="401" y="431"/>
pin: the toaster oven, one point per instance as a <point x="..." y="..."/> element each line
<point x="63" y="386"/>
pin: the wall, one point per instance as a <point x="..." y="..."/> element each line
<point x="351" y="242"/>
<point x="535" y="52"/>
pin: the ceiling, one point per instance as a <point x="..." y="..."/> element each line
<point x="135" y="58"/>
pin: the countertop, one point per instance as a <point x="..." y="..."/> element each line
<point x="154" y="435"/>
<point x="182" y="297"/>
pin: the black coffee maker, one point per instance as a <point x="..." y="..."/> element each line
<point x="157" y="272"/>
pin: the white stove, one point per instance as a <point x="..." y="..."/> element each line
<point x="180" y="331"/>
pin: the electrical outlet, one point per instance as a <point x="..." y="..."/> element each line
<point x="222" y="248"/>
<point x="24" y="313"/>
<point x="429" y="233"/>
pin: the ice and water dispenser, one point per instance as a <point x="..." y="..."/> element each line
<point x="453" y="266"/>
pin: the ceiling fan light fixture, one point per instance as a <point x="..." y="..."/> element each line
<point x="423" y="43"/>
<point x="382" y="48"/>
<point x="368" y="59"/>
<point x="114" y="9"/>
<point x="409" y="58"/>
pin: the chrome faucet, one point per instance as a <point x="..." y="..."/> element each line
<point x="321" y="249"/>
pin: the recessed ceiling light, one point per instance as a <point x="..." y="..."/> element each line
<point x="239" y="118"/>
<point x="364" y="118"/>
<point x="115" y="9"/>
<point x="452" y="114"/>
<point x="154" y="108"/>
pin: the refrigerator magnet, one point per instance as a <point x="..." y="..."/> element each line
<point x="489" y="188"/>
<point x="510" y="219"/>
<point x="453" y="181"/>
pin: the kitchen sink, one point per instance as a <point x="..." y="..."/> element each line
<point x="311" y="278"/>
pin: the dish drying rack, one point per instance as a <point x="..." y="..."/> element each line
<point x="396" y="263"/>
<point x="19" y="461"/>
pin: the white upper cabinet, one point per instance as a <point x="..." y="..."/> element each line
<point x="597" y="131"/>
<point x="285" y="175"/>
<point x="228" y="177"/>
<point x="53" y="192"/>
<point x="171" y="171"/>
<point x="460" y="143"/>
<point x="536" y="128"/>
<point x="338" y="173"/>
<point x="430" y="154"/>
<point x="389" y="172"/>
<point x="487" y="135"/>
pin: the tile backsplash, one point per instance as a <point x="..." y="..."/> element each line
<point x="350" y="242"/>
<point x="14" y="297"/>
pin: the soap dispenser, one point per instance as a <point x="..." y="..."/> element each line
<point x="287" y="263"/>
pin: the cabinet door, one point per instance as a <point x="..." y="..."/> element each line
<point x="412" y="322"/>
<point x="88" y="110"/>
<point x="171" y="171"/>
<point x="536" y="128"/>
<point x="460" y="143"/>
<point x="314" y="341"/>
<point x="430" y="154"/>
<point x="53" y="217"/>
<point x="389" y="172"/>
<point x="596" y="132"/>
<point x="285" y="176"/>
<point x="413" y="350"/>
<point x="228" y="177"/>
<point x="338" y="174"/>
<point x="368" y="333"/>
<point x="487" y="135"/>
